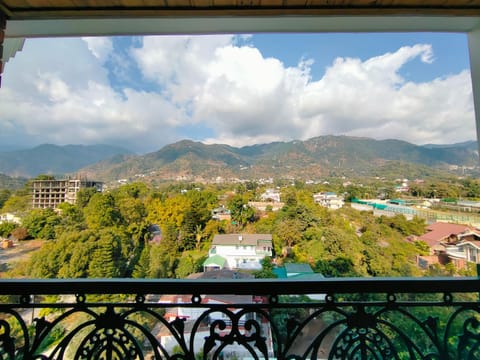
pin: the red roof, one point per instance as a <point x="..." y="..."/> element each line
<point x="437" y="232"/>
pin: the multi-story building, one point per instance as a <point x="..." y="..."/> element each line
<point x="51" y="193"/>
<point x="238" y="251"/>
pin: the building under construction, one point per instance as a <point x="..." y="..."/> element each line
<point x="51" y="193"/>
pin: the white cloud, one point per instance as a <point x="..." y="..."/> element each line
<point x="232" y="90"/>
<point x="55" y="100"/>
<point x="247" y="98"/>
<point x="100" y="47"/>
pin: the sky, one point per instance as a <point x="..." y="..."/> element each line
<point x="143" y="93"/>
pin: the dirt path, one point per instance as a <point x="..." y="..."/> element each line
<point x="21" y="251"/>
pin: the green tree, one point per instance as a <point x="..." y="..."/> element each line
<point x="267" y="270"/>
<point x="4" y="195"/>
<point x="44" y="177"/>
<point x="71" y="219"/>
<point x="41" y="223"/>
<point x="106" y="260"/>
<point x="102" y="211"/>
<point x="190" y="262"/>
<point x="240" y="211"/>
<point x="131" y="202"/>
<point x="6" y="228"/>
<point x="84" y="195"/>
<point x="338" y="267"/>
<point x="142" y="267"/>
<point x="18" y="203"/>
<point x="289" y="232"/>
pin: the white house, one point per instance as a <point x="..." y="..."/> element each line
<point x="465" y="251"/>
<point x="238" y="251"/>
<point x="329" y="200"/>
<point x="9" y="217"/>
<point x="271" y="195"/>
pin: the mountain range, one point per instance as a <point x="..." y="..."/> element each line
<point x="54" y="159"/>
<point x="315" y="157"/>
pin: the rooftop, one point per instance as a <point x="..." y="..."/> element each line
<point x="240" y="239"/>
<point x="20" y="9"/>
<point x="440" y="231"/>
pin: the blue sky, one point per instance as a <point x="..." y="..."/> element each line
<point x="146" y="92"/>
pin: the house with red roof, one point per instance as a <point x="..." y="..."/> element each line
<point x="448" y="242"/>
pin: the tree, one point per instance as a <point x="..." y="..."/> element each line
<point x="106" y="258"/>
<point x="6" y="228"/>
<point x="189" y="263"/>
<point x="267" y="270"/>
<point x="289" y="232"/>
<point x="44" y="177"/>
<point x="338" y="267"/>
<point x="18" y="203"/>
<point x="102" y="211"/>
<point x="4" y="195"/>
<point x="84" y="195"/>
<point x="71" y="218"/>
<point x="240" y="211"/>
<point x="130" y="200"/>
<point x="142" y="267"/>
<point x="162" y="262"/>
<point x="41" y="223"/>
<point x="352" y="192"/>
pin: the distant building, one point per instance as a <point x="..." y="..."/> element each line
<point x="9" y="217"/>
<point x="265" y="205"/>
<point x="271" y="195"/>
<point x="329" y="200"/>
<point x="221" y="213"/>
<point x="451" y="243"/>
<point x="51" y="193"/>
<point x="155" y="233"/>
<point x="238" y="251"/>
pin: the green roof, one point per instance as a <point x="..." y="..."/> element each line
<point x="215" y="260"/>
<point x="280" y="272"/>
<point x="298" y="268"/>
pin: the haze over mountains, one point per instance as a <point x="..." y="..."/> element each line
<point x="54" y="159"/>
<point x="319" y="156"/>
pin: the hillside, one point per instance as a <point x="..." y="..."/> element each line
<point x="316" y="157"/>
<point x="11" y="183"/>
<point x="53" y="159"/>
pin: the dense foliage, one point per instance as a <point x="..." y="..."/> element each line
<point x="110" y="234"/>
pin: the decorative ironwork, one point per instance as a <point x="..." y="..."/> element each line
<point x="267" y="319"/>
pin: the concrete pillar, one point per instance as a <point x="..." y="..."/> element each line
<point x="3" y="25"/>
<point x="474" y="52"/>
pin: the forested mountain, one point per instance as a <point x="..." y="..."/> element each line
<point x="11" y="183"/>
<point x="319" y="156"/>
<point x="53" y="159"/>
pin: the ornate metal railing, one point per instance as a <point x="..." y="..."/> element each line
<point x="348" y="318"/>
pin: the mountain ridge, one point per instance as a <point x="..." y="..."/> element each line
<point x="54" y="159"/>
<point x="318" y="156"/>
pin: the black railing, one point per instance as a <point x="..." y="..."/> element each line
<point x="347" y="318"/>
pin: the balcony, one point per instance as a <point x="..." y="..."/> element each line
<point x="357" y="318"/>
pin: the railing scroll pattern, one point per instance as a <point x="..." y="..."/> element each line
<point x="120" y="319"/>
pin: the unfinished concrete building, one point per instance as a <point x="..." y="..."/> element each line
<point x="51" y="193"/>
